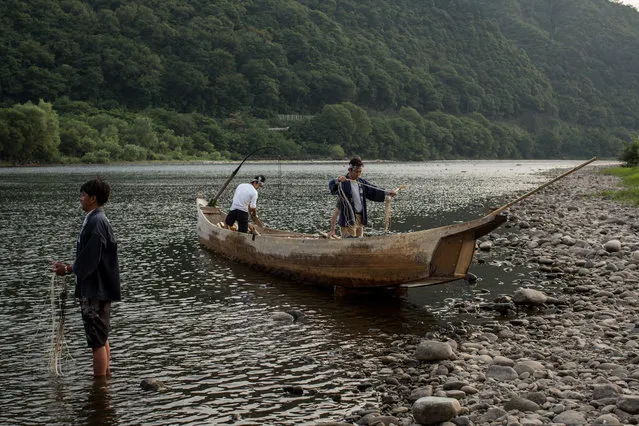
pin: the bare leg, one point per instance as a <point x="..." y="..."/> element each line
<point x="108" y="350"/>
<point x="100" y="361"/>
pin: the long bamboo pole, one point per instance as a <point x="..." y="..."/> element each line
<point x="213" y="202"/>
<point x="499" y="210"/>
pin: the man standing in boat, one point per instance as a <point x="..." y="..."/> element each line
<point x="245" y="203"/>
<point x="97" y="272"/>
<point x="352" y="192"/>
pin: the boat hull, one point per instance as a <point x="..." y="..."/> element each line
<point x="430" y="256"/>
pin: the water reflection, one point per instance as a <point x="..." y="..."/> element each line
<point x="98" y="409"/>
<point x="203" y="325"/>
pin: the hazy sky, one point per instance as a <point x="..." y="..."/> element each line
<point x="634" y="3"/>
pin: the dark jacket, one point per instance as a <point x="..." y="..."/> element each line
<point x="366" y="191"/>
<point x="96" y="264"/>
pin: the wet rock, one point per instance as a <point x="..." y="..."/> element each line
<point x="472" y="278"/>
<point x="282" y="318"/>
<point x="152" y="384"/>
<point x="486" y="245"/>
<point x="294" y="390"/>
<point x="298" y="316"/>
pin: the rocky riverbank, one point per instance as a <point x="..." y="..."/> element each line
<point x="563" y="350"/>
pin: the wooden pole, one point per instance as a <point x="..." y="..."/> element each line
<point x="213" y="202"/>
<point x="499" y="210"/>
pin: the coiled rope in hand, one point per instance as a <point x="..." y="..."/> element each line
<point x="349" y="212"/>
<point x="387" y="209"/>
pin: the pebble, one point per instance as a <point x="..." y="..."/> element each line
<point x="563" y="349"/>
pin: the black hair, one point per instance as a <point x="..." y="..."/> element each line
<point x="355" y="163"/>
<point x="260" y="179"/>
<point x="98" y="188"/>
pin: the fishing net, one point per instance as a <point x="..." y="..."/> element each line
<point x="58" y="298"/>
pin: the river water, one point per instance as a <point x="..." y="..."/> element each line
<point x="201" y="324"/>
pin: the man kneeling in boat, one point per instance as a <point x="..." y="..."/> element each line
<point x="244" y="203"/>
<point x="352" y="192"/>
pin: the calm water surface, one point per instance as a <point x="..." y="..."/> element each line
<point x="202" y="324"/>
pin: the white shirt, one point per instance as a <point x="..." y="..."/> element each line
<point x="357" y="200"/>
<point x="245" y="194"/>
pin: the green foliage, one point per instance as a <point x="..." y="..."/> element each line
<point x="630" y="154"/>
<point x="630" y="180"/>
<point x="29" y="133"/>
<point x="399" y="80"/>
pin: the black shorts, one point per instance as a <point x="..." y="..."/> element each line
<point x="96" y="316"/>
<point x="241" y="217"/>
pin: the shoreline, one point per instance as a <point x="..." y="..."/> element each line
<point x="564" y="351"/>
<point x="3" y="165"/>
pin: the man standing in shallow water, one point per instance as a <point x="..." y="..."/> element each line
<point x="97" y="272"/>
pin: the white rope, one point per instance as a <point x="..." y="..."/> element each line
<point x="58" y="305"/>
<point x="351" y="212"/>
<point x="387" y="209"/>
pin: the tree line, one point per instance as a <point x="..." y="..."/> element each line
<point x="130" y="80"/>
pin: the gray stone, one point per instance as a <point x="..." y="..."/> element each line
<point x="528" y="366"/>
<point x="431" y="410"/>
<point x="454" y="385"/>
<point x="570" y="417"/>
<point x="383" y="421"/>
<point x="501" y="373"/>
<point x="492" y="414"/>
<point x="612" y="246"/>
<point x="521" y="404"/>
<point x="606" y="390"/>
<point x="434" y="351"/>
<point x="607" y="419"/>
<point x="486" y="245"/>
<point x="420" y="393"/>
<point x="502" y="360"/>
<point x="629" y="404"/>
<point x="537" y="397"/>
<point x="529" y="296"/>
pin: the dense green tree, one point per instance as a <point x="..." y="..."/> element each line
<point x="29" y="133"/>
<point x="403" y="79"/>
<point x="630" y="154"/>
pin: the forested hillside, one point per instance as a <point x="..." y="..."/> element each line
<point x="115" y="80"/>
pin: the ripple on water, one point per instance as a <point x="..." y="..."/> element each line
<point x="203" y="325"/>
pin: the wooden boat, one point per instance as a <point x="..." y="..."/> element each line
<point x="397" y="261"/>
<point x="428" y="257"/>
